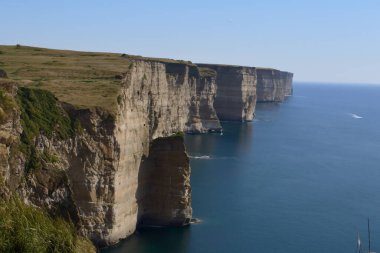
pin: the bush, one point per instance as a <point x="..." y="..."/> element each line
<point x="178" y="134"/>
<point x="27" y="229"/>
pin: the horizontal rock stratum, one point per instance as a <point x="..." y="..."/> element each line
<point x="97" y="137"/>
<point x="273" y="85"/>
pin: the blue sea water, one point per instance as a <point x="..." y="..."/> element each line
<point x="302" y="177"/>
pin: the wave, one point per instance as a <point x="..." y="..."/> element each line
<point x="355" y="116"/>
<point x="207" y="157"/>
<point x="200" y="157"/>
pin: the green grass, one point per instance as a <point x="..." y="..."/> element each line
<point x="83" y="79"/>
<point x="207" y="72"/>
<point x="7" y="104"/>
<point x="79" y="78"/>
<point x="27" y="229"/>
<point x="41" y="113"/>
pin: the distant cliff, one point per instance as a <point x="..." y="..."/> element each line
<point x="236" y="92"/>
<point x="273" y="85"/>
<point x="97" y="138"/>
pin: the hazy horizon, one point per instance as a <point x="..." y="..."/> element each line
<point x="318" y="41"/>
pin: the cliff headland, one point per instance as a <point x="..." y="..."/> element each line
<point x="97" y="138"/>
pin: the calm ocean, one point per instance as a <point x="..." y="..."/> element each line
<point x="303" y="177"/>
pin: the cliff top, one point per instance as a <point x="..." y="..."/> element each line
<point x="222" y="65"/>
<point x="269" y="69"/>
<point x="84" y="79"/>
<point x="210" y="65"/>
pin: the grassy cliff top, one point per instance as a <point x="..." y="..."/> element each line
<point x="207" y="72"/>
<point x="272" y="69"/>
<point x="211" y="65"/>
<point x="84" y="79"/>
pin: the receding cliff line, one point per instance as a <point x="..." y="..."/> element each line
<point x="104" y="155"/>
<point x="236" y="92"/>
<point x="93" y="171"/>
<point x="273" y="85"/>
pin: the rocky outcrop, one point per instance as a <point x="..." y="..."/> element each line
<point x="167" y="201"/>
<point x="236" y="92"/>
<point x="273" y="85"/>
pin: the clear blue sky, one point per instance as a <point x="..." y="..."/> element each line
<point x="325" y="40"/>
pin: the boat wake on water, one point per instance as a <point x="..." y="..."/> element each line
<point x="355" y="116"/>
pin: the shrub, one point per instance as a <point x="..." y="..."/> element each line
<point x="178" y="134"/>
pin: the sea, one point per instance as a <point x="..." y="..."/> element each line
<point x="304" y="176"/>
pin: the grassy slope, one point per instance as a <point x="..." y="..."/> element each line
<point x="84" y="79"/>
<point x="81" y="78"/>
<point x="27" y="229"/>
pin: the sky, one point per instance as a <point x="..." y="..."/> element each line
<point x="319" y="41"/>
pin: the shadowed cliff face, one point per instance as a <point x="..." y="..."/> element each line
<point x="236" y="92"/>
<point x="273" y="85"/>
<point x="167" y="201"/>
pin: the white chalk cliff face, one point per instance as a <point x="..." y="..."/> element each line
<point x="97" y="175"/>
<point x="155" y="102"/>
<point x="117" y="170"/>
<point x="273" y="85"/>
<point x="236" y="92"/>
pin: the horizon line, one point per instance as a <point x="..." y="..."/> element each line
<point x="333" y="82"/>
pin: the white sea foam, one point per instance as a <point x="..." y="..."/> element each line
<point x="200" y="157"/>
<point x="355" y="116"/>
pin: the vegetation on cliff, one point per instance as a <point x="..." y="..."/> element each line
<point x="83" y="79"/>
<point x="41" y="113"/>
<point x="26" y="229"/>
<point x="7" y="104"/>
<point x="207" y="72"/>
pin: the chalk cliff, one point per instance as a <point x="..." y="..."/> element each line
<point x="110" y="169"/>
<point x="236" y="92"/>
<point x="95" y="174"/>
<point x="273" y="85"/>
